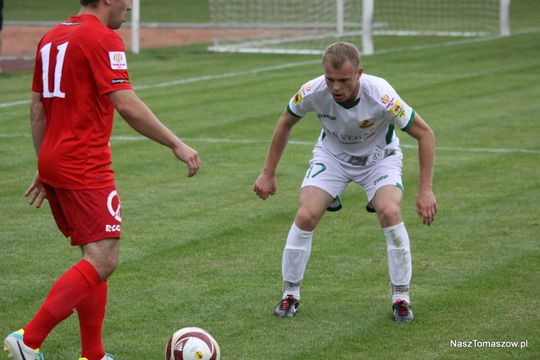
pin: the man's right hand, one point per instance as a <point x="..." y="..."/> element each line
<point x="265" y="185"/>
<point x="36" y="192"/>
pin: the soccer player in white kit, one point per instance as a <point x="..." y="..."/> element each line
<point x="358" y="114"/>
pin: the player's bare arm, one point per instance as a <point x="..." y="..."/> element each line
<point x="265" y="185"/>
<point x="35" y="192"/>
<point x="426" y="204"/>
<point x="142" y="119"/>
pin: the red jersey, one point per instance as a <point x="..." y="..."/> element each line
<point x="78" y="63"/>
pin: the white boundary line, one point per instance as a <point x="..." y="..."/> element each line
<point x="14" y="103"/>
<point x="227" y="75"/>
<point x="198" y="79"/>
<point x="293" y="64"/>
<point x="127" y="138"/>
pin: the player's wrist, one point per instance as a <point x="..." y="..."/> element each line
<point x="425" y="190"/>
<point x="269" y="172"/>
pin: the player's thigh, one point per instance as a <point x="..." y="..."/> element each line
<point x="386" y="172"/>
<point x="55" y="204"/>
<point x="326" y="173"/>
<point x="104" y="251"/>
<point x="315" y="199"/>
<point x="93" y="214"/>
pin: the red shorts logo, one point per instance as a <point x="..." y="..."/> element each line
<point x="113" y="204"/>
<point x="112" y="228"/>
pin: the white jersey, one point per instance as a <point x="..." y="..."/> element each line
<point x="362" y="133"/>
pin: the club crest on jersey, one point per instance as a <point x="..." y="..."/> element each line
<point x="298" y="97"/>
<point x="118" y="60"/>
<point x="364" y="124"/>
<point x="398" y="110"/>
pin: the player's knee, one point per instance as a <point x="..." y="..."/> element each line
<point x="111" y="264"/>
<point x="389" y="214"/>
<point x="306" y="220"/>
<point x="105" y="265"/>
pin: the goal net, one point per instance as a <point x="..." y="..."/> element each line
<point x="308" y="26"/>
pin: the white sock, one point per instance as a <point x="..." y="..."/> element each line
<point x="400" y="292"/>
<point x="295" y="258"/>
<point x="399" y="260"/>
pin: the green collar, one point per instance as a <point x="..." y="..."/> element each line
<point x="353" y="104"/>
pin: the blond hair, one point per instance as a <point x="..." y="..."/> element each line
<point x="339" y="53"/>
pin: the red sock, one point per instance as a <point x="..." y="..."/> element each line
<point x="68" y="291"/>
<point x="91" y="313"/>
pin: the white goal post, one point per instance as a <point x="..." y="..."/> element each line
<point x="135" y="26"/>
<point x="308" y="26"/>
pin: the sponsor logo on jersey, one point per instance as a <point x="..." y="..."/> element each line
<point x="326" y="116"/>
<point x="366" y="123"/>
<point x="398" y="111"/>
<point x="118" y="60"/>
<point x="298" y="97"/>
<point x="119" y="81"/>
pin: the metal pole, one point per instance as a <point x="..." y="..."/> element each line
<point x="339" y="17"/>
<point x="504" y="17"/>
<point x="367" y="27"/>
<point x="135" y="26"/>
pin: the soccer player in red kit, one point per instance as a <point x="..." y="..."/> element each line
<point x="80" y="78"/>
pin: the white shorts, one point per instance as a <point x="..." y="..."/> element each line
<point x="333" y="175"/>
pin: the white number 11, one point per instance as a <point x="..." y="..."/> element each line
<point x="45" y="58"/>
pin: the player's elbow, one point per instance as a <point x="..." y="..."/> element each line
<point x="125" y="102"/>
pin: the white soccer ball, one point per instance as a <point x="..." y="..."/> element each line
<point x="192" y="343"/>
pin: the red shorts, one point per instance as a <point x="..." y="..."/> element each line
<point x="86" y="215"/>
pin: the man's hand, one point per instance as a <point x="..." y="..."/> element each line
<point x="426" y="206"/>
<point x="265" y="185"/>
<point x="36" y="192"/>
<point x="189" y="156"/>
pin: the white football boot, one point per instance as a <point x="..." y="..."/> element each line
<point x="17" y="350"/>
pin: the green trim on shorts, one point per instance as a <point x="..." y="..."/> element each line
<point x="400" y="186"/>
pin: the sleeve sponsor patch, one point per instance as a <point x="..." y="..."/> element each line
<point x="118" y="60"/>
<point x="388" y="101"/>
<point x="119" y="81"/>
<point x="306" y="89"/>
<point x="297" y="98"/>
<point x="398" y="110"/>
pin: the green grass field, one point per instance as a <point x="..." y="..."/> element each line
<point x="186" y="11"/>
<point x="205" y="251"/>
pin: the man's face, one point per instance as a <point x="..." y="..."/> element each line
<point x="343" y="82"/>
<point x="118" y="14"/>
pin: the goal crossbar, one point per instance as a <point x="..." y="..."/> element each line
<point x="306" y="27"/>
